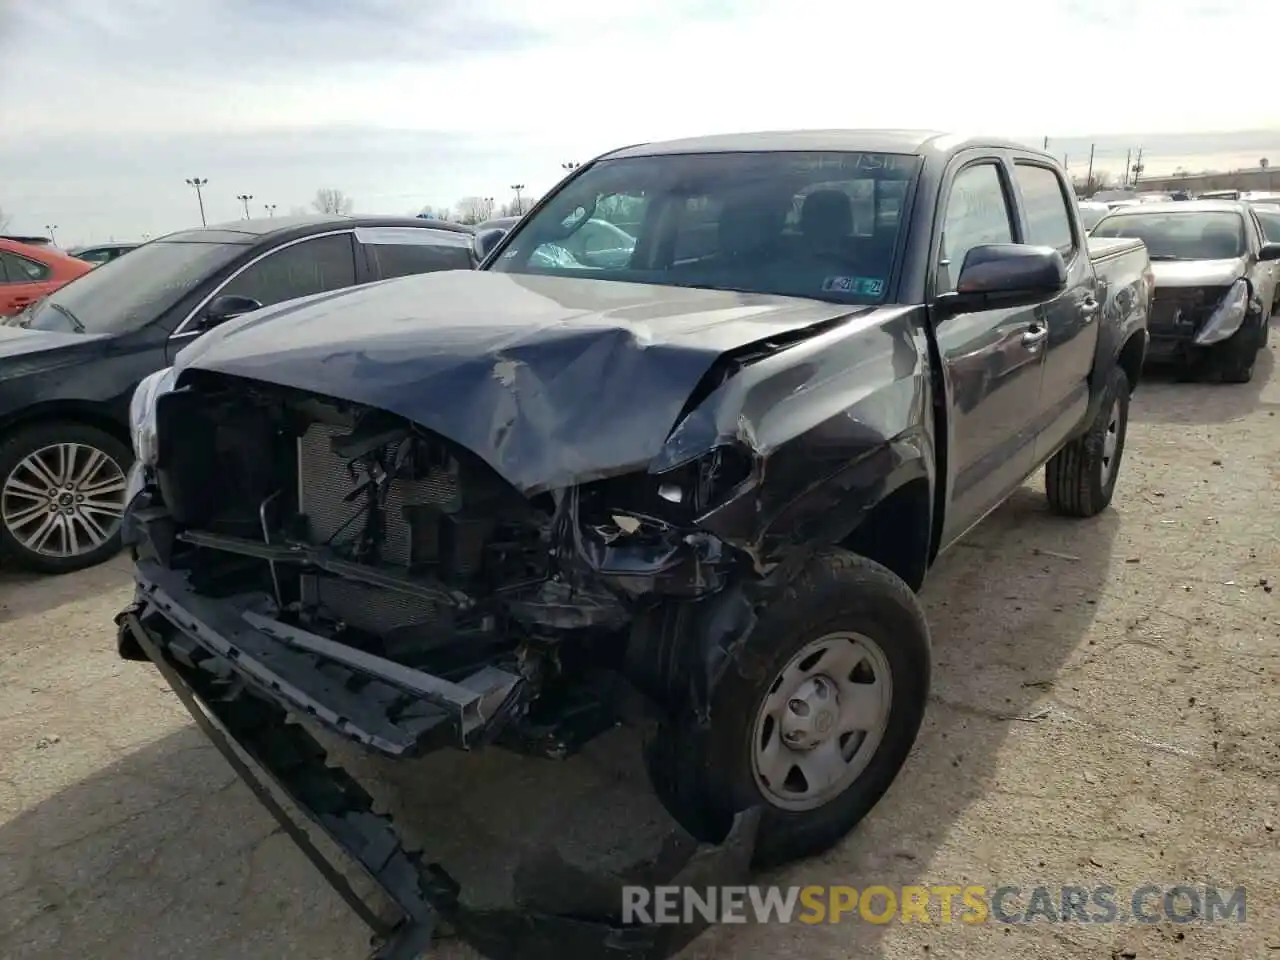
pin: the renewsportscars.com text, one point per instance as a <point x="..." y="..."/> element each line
<point x="967" y="904"/>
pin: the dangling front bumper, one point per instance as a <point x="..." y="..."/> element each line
<point x="242" y="699"/>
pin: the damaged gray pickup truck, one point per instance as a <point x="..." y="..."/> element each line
<point x="689" y="468"/>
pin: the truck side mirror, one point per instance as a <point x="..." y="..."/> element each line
<point x="1269" y="251"/>
<point x="1004" y="275"/>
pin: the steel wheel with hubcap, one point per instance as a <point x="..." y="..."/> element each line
<point x="813" y="719"/>
<point x="1111" y="443"/>
<point x="822" y="721"/>
<point x="62" y="492"/>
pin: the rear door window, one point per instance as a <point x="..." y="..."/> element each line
<point x="22" y="270"/>
<point x="405" y="251"/>
<point x="1044" y="204"/>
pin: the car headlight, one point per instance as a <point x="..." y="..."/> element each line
<point x="142" y="413"/>
<point x="1227" y="318"/>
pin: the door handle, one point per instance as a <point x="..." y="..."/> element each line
<point x="1034" y="337"/>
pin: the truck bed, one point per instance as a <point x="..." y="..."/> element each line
<point x="1107" y="248"/>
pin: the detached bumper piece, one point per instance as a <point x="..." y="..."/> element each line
<point x="241" y="702"/>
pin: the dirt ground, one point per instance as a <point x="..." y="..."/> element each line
<point x="1105" y="711"/>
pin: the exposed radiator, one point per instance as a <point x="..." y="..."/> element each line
<point x="323" y="481"/>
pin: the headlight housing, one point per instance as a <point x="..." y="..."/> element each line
<point x="1227" y="318"/>
<point x="142" y="414"/>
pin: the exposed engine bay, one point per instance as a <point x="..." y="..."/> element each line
<point x="369" y="540"/>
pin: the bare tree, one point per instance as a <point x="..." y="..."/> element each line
<point x="1087" y="187"/>
<point x="473" y="209"/>
<point x="435" y="213"/>
<point x="4" y="219"/>
<point x="332" y="200"/>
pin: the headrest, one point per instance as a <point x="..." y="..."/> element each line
<point x="827" y="215"/>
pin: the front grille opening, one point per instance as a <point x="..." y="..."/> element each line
<point x="1183" y="310"/>
<point x="290" y="469"/>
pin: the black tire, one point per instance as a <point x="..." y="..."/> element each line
<point x="705" y="775"/>
<point x="1080" y="479"/>
<point x="1234" y="359"/>
<point x="15" y="448"/>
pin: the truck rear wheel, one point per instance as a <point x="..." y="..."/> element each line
<point x="1080" y="479"/>
<point x="817" y="728"/>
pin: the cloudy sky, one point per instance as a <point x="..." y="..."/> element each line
<point x="109" y="107"/>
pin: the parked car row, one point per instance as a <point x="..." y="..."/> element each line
<point x="1217" y="270"/>
<point x="73" y="352"/>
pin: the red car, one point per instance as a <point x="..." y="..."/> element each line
<point x="28" y="273"/>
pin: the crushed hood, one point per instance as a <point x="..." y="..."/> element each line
<point x="1197" y="273"/>
<point x="554" y="381"/>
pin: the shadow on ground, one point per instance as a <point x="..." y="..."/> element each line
<point x="163" y="855"/>
<point x="1167" y="398"/>
<point x="24" y="594"/>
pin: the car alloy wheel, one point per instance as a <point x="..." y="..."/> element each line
<point x="63" y="500"/>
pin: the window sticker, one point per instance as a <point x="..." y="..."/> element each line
<point x="862" y="286"/>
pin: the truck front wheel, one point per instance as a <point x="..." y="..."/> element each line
<point x="1080" y="479"/>
<point x="812" y="721"/>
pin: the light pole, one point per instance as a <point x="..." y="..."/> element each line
<point x="52" y="234"/>
<point x="245" y="198"/>
<point x="488" y="208"/>
<point x="517" y="187"/>
<point x="197" y="182"/>
<point x="570" y="165"/>
<point x="270" y="208"/>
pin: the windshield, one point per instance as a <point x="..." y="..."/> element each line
<point x="1193" y="235"/>
<point x="1270" y="220"/>
<point x="819" y="225"/>
<point x="1092" y="213"/>
<point x="127" y="293"/>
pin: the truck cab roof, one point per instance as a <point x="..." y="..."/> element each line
<point x="910" y="142"/>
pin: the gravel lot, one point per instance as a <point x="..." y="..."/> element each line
<point x="1141" y="650"/>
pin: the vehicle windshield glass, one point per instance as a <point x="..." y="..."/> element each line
<point x="1193" y="235"/>
<point x="1090" y="215"/>
<point x="127" y="293"/>
<point x="818" y="225"/>
<point x="1270" y="220"/>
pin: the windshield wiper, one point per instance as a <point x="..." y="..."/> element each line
<point x="75" y="321"/>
